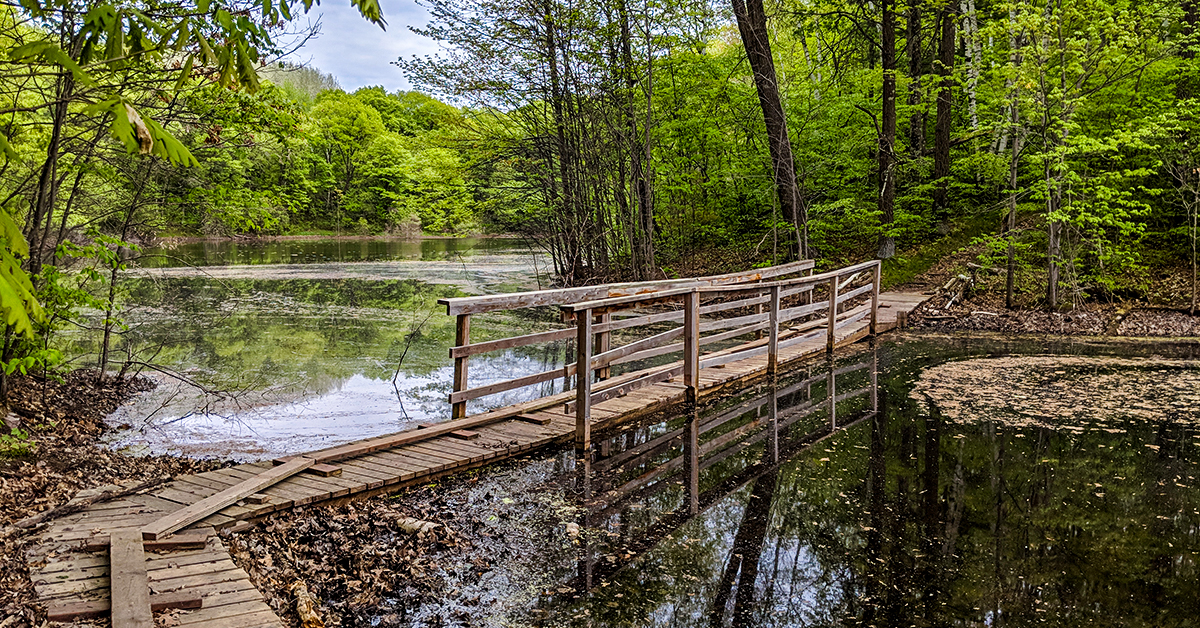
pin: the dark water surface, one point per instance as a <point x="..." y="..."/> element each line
<point x="884" y="508"/>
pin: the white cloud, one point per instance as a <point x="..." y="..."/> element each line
<point x="359" y="53"/>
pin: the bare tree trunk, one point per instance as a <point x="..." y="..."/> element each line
<point x="752" y="24"/>
<point x="887" y="136"/>
<point x="1014" y="112"/>
<point x="945" y="99"/>
<point x="975" y="59"/>
<point x="643" y="243"/>
<point x="912" y="49"/>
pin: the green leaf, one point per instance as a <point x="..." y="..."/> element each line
<point x="49" y="52"/>
<point x="6" y="148"/>
<point x="185" y="73"/>
<point x="12" y="235"/>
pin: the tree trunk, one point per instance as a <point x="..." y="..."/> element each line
<point x="912" y="49"/>
<point x="643" y="242"/>
<point x="752" y="24"/>
<point x="1014" y="113"/>
<point x="887" y="136"/>
<point x="941" y="139"/>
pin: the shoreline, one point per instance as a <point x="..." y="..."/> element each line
<point x="169" y="240"/>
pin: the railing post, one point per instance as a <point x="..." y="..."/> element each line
<point x="758" y="309"/>
<point x="603" y="343"/>
<point x="833" y="297"/>
<point x="583" y="381"/>
<point x="773" y="331"/>
<point x="878" y="276"/>
<point x="691" y="345"/>
<point x="462" y="338"/>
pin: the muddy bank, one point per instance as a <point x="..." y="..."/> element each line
<point x="52" y="456"/>
<point x="978" y="311"/>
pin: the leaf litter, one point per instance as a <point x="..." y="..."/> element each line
<point x="1064" y="392"/>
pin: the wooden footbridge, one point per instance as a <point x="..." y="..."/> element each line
<point x="157" y="549"/>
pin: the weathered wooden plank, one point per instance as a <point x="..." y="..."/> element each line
<point x="129" y="584"/>
<point x="232" y="617"/>
<point x="212" y="504"/>
<point x="509" y="384"/>
<point x="325" y="470"/>
<point x="191" y="540"/>
<point x="519" y="300"/>
<point x="71" y="611"/>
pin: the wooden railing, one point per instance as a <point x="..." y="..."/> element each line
<point x="463" y="308"/>
<point x="812" y="320"/>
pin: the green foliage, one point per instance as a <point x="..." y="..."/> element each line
<point x="16" y="443"/>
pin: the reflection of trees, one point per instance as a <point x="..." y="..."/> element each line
<point x="909" y="520"/>
<point x="741" y="570"/>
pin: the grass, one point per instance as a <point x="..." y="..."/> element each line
<point x="902" y="268"/>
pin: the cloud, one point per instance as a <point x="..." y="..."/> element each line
<point x="359" y="53"/>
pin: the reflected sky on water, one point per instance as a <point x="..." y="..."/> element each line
<point x="268" y="348"/>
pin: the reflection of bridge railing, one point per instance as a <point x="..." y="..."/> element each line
<point x="608" y="490"/>
<point x="464" y="307"/>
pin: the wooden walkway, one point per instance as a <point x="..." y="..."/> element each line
<point x="189" y="567"/>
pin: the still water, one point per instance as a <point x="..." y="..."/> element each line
<point x="267" y="348"/>
<point x="926" y="482"/>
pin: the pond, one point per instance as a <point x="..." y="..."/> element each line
<point x="266" y="348"/>
<point x="926" y="482"/>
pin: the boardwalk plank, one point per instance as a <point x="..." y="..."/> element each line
<point x="130" y="587"/>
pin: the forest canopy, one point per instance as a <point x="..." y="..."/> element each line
<point x="629" y="139"/>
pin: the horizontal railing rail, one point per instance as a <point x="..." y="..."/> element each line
<point x="464" y="307"/>
<point x="784" y="327"/>
<point x="678" y="328"/>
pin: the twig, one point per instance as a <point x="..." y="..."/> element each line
<point x="77" y="505"/>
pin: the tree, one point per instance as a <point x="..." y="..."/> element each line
<point x="752" y="24"/>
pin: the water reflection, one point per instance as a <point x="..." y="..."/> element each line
<point x="876" y="510"/>
<point x="296" y="345"/>
<point x="711" y="457"/>
<point x="227" y="252"/>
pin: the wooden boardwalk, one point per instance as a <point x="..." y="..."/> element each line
<point x="70" y="564"/>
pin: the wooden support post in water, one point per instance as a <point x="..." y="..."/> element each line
<point x="691" y="453"/>
<point x="832" y="398"/>
<point x="691" y="345"/>
<point x="583" y="381"/>
<point x="833" y="297"/>
<point x="773" y="417"/>
<point x="773" y="330"/>
<point x="129" y="586"/>
<point x="603" y="343"/>
<point x="462" y="338"/>
<point x="876" y="278"/>
<point x="875" y="379"/>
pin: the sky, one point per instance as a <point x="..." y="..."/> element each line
<point x="359" y="53"/>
